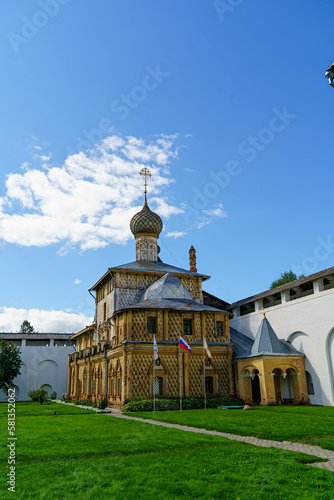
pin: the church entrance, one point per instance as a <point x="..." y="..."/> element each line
<point x="209" y="385"/>
<point x="256" y="392"/>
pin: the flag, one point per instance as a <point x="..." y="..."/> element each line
<point x="155" y="349"/>
<point x="184" y="345"/>
<point x="205" y="345"/>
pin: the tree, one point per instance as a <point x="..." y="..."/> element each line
<point x="286" y="278"/>
<point x="26" y="327"/>
<point x="10" y="364"/>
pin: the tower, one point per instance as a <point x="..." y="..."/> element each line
<point x="146" y="227"/>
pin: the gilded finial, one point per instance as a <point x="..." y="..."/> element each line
<point x="264" y="314"/>
<point x="146" y="173"/>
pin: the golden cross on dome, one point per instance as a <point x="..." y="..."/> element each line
<point x="264" y="314"/>
<point x="146" y="173"/>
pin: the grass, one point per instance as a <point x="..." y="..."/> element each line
<point x="301" y="424"/>
<point x="79" y="453"/>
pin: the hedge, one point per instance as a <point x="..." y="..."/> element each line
<point x="173" y="403"/>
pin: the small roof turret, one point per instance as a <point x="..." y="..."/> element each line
<point x="266" y="340"/>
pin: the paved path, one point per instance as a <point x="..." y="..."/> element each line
<point x="283" y="445"/>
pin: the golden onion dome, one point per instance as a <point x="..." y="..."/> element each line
<point x="146" y="222"/>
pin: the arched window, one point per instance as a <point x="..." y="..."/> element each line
<point x="310" y="386"/>
<point x="157" y="386"/>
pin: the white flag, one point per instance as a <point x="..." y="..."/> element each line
<point x="155" y="348"/>
<point x="205" y="345"/>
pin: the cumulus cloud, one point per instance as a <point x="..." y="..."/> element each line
<point x="77" y="281"/>
<point x="175" y="234"/>
<point x="43" y="321"/>
<point x="88" y="201"/>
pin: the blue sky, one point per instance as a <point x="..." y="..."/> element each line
<point x="225" y="101"/>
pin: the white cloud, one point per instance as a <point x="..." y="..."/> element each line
<point x="77" y="281"/>
<point x="190" y="171"/>
<point x="210" y="215"/>
<point x="37" y="147"/>
<point x="216" y="212"/>
<point x="89" y="200"/>
<point x="43" y="321"/>
<point x="45" y="157"/>
<point x="175" y="234"/>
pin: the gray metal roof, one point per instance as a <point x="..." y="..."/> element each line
<point x="241" y="343"/>
<point x="167" y="287"/>
<point x="35" y="336"/>
<point x="267" y="343"/>
<point x="150" y="267"/>
<point x="176" y="304"/>
<point x="154" y="267"/>
<point x="286" y="286"/>
<point x="266" y="340"/>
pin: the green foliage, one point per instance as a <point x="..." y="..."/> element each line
<point x="10" y="364"/>
<point x="40" y="395"/>
<point x="26" y="327"/>
<point x="173" y="403"/>
<point x="286" y="278"/>
<point x="66" y="398"/>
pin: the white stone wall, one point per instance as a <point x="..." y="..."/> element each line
<point x="308" y="323"/>
<point x="42" y="365"/>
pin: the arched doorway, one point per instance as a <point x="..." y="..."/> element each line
<point x="277" y="384"/>
<point x="288" y="392"/>
<point x="209" y="385"/>
<point x="48" y="389"/>
<point x="256" y="391"/>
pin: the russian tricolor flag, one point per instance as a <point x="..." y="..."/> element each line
<point x="184" y="345"/>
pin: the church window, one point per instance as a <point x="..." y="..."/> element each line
<point x="219" y="328"/>
<point x="151" y="325"/>
<point x="104" y="311"/>
<point x="187" y="327"/>
<point x="157" y="386"/>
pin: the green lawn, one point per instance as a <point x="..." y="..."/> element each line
<point x="301" y="424"/>
<point x="77" y="453"/>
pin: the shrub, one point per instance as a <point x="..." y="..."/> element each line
<point x="39" y="395"/>
<point x="173" y="403"/>
<point x="54" y="395"/>
<point x="66" y="398"/>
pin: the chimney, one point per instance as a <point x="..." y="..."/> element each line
<point x="192" y="259"/>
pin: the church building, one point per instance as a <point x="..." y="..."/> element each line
<point x="147" y="299"/>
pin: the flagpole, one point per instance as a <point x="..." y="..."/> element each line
<point x="155" y="357"/>
<point x="180" y="354"/>
<point x="204" y="377"/>
<point x="153" y="385"/>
